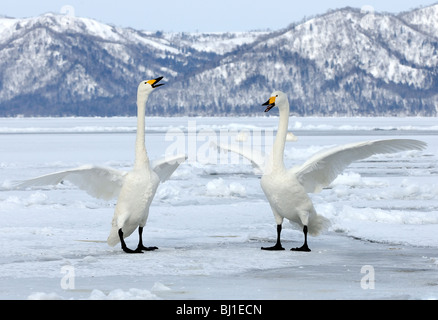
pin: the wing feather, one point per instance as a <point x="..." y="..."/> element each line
<point x="99" y="182"/>
<point x="256" y="157"/>
<point x="321" y="169"/>
<point x="165" y="167"/>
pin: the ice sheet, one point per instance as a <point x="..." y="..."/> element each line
<point x="211" y="218"/>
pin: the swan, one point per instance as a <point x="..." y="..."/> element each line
<point x="287" y="189"/>
<point x="135" y="189"/>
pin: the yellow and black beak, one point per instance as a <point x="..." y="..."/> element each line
<point x="154" y="83"/>
<point x="270" y="103"/>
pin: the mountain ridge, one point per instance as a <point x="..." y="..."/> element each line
<point x="346" y="62"/>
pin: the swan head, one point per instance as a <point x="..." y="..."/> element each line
<point x="277" y="99"/>
<point x="146" y="86"/>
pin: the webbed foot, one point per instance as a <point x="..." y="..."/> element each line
<point x="143" y="248"/>
<point x="274" y="248"/>
<point x="304" y="248"/>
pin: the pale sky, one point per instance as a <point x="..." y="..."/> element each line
<point x="198" y="15"/>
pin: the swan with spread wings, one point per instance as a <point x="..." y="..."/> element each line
<point x="287" y="189"/>
<point x="134" y="190"/>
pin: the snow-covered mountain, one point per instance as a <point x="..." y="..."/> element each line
<point x="345" y="62"/>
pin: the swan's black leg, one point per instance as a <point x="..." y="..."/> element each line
<point x="304" y="247"/>
<point x="277" y="246"/>
<point x="124" y="247"/>
<point x="140" y="242"/>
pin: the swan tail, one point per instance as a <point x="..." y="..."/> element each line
<point x="318" y="224"/>
<point x="113" y="237"/>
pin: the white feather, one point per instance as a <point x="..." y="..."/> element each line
<point x="286" y="190"/>
<point x="256" y="157"/>
<point x="99" y="182"/>
<point x="135" y="190"/>
<point x="322" y="168"/>
<point x="165" y="167"/>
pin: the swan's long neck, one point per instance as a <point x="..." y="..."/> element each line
<point x="141" y="156"/>
<point x="277" y="156"/>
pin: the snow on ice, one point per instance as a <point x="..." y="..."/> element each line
<point x="210" y="220"/>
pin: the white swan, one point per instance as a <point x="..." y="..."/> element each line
<point x="135" y="190"/>
<point x="286" y="189"/>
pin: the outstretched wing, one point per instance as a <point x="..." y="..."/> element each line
<point x="99" y="182"/>
<point x="321" y="169"/>
<point x="256" y="157"/>
<point x="165" y="167"/>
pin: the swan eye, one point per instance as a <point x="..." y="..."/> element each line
<point x="276" y="96"/>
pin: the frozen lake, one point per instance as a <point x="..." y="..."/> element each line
<point x="210" y="220"/>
